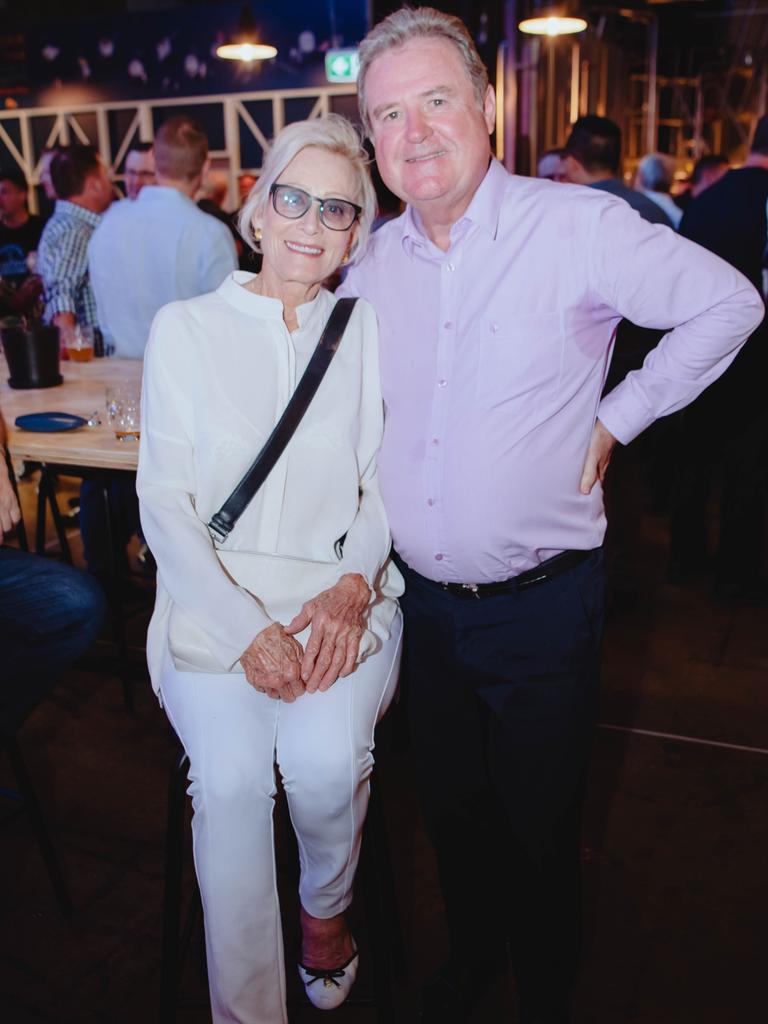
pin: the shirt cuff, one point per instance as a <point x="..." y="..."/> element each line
<point x="62" y="302"/>
<point x="615" y="419"/>
<point x="240" y="634"/>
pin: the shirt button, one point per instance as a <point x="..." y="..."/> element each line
<point x="430" y="502"/>
<point x="438" y="558"/>
<point x="448" y="325"/>
<point x="442" y="383"/>
<point x="435" y="442"/>
<point x="449" y="267"/>
<point x="495" y="327"/>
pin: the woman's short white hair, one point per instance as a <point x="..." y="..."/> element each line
<point x="332" y="133"/>
<point x="411" y="23"/>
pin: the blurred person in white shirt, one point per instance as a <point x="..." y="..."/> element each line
<point x="160" y="246"/>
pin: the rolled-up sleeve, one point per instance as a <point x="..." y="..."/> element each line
<point x="655" y="278"/>
<point x="63" y="266"/>
<point x="188" y="566"/>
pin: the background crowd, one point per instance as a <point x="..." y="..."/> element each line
<point x="705" y="466"/>
<point x="171" y="237"/>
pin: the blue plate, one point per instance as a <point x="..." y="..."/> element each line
<point x="49" y="422"/>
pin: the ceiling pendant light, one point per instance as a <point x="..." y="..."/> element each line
<point x="550" y="20"/>
<point x="245" y="45"/>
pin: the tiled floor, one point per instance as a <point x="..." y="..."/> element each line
<point x="675" y="842"/>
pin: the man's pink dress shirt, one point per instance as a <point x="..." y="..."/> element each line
<point x="494" y="355"/>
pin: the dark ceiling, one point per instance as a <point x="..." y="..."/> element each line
<point x="693" y="34"/>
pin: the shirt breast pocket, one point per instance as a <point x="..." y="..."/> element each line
<point x="519" y="355"/>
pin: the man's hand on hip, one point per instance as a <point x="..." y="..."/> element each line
<point x="598" y="456"/>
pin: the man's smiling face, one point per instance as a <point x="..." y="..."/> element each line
<point x="430" y="134"/>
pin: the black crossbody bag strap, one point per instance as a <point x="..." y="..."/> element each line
<point x="223" y="521"/>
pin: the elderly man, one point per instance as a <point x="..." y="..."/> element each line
<point x="160" y="247"/>
<point x="498" y="297"/>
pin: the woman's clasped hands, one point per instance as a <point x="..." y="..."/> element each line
<point x="272" y="664"/>
<point x="275" y="662"/>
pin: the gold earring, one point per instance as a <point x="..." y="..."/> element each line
<point x="345" y="258"/>
<point x="257" y="235"/>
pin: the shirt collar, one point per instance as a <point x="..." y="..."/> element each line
<point x="483" y="211"/>
<point x="232" y="290"/>
<point x="162" y="193"/>
<point x="72" y="210"/>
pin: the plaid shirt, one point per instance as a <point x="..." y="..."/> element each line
<point x="62" y="262"/>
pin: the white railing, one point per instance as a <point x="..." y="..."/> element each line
<point x="89" y="124"/>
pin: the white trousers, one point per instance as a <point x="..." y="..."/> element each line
<point x="322" y="745"/>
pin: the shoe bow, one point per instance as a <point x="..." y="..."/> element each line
<point x="328" y="977"/>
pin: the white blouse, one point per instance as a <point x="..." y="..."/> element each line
<point x="218" y="372"/>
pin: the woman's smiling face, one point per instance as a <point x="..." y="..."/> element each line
<point x="303" y="250"/>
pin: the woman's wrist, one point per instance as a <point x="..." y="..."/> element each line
<point x="358" y="585"/>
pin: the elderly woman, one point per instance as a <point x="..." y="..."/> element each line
<point x="299" y="694"/>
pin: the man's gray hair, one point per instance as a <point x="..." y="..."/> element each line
<point x="332" y="133"/>
<point x="655" y="172"/>
<point x="426" y="23"/>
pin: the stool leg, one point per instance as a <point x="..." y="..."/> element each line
<point x="21" y="533"/>
<point x="31" y="804"/>
<point x="21" y="530"/>
<point x="174" y="863"/>
<point x="116" y="604"/>
<point x="57" y="520"/>
<point x="46" y="492"/>
<point x="41" y="510"/>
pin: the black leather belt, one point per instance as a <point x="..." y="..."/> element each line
<point x="544" y="571"/>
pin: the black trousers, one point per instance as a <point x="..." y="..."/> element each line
<point x="502" y="697"/>
<point x="105" y="541"/>
<point x="711" y="445"/>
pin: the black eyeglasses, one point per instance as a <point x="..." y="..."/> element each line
<point x="336" y="214"/>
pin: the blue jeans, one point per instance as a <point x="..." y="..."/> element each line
<point x="50" y="613"/>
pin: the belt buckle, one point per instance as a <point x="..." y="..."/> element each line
<point x="472" y="588"/>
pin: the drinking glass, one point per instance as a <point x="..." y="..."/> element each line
<point x="79" y="343"/>
<point x="124" y="411"/>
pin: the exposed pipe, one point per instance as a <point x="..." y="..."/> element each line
<point x="651" y="104"/>
<point x="573" y="112"/>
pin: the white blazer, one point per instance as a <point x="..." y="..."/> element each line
<point x="219" y="370"/>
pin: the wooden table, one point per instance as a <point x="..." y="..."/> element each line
<point x="83" y="450"/>
<point x="82" y="393"/>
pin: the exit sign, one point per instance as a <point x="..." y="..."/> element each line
<point x="342" y="65"/>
